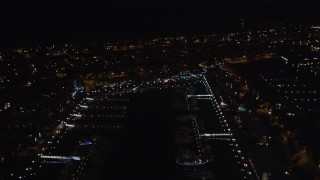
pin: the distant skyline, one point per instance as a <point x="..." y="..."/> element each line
<point x="25" y="23"/>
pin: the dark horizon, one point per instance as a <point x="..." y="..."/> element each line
<point x="26" y="24"/>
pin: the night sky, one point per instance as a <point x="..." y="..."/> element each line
<point x="33" y="23"/>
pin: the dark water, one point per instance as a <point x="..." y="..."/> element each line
<point x="224" y="157"/>
<point x="144" y="149"/>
